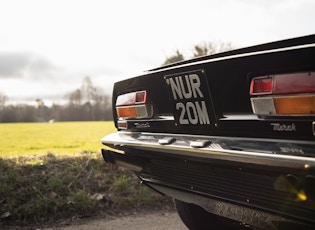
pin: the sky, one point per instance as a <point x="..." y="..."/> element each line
<point x="47" y="47"/>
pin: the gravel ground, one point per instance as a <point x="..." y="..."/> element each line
<point x="152" y="220"/>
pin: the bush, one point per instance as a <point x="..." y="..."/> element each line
<point x="50" y="188"/>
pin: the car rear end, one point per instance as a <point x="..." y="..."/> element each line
<point x="233" y="133"/>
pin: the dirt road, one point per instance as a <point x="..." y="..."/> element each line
<point x="157" y="220"/>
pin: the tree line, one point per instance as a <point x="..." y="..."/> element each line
<point x="86" y="103"/>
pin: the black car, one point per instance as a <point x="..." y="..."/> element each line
<point x="230" y="136"/>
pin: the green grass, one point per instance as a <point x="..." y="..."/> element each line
<point x="20" y="139"/>
<point x="52" y="172"/>
<point x="59" y="188"/>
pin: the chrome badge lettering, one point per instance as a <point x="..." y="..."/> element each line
<point x="291" y="150"/>
<point x="142" y="125"/>
<point x="283" y="127"/>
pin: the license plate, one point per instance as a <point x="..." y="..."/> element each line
<point x="190" y="98"/>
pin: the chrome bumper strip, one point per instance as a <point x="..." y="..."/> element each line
<point x="270" y="152"/>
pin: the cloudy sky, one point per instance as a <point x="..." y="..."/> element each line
<point x="47" y="47"/>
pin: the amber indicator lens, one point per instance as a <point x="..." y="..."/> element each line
<point x="128" y="111"/>
<point x="295" y="105"/>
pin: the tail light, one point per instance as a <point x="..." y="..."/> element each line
<point x="133" y="105"/>
<point x="284" y="94"/>
<point x="262" y="85"/>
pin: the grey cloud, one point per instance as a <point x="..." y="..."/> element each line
<point x="20" y="65"/>
<point x="41" y="64"/>
<point x="11" y="64"/>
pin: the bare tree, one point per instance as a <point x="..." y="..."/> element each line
<point x="86" y="103"/>
<point x="3" y="100"/>
<point x="88" y="90"/>
<point x="75" y="98"/>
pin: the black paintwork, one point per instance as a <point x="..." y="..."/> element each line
<point x="228" y="81"/>
<point x="255" y="170"/>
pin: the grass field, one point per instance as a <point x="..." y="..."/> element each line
<point x="20" y="139"/>
<point x="44" y="182"/>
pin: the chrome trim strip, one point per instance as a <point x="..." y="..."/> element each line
<point x="182" y="146"/>
<point x="235" y="56"/>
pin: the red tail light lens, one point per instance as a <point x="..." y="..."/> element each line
<point x="141" y="97"/>
<point x="261" y="86"/>
<point x="294" y="83"/>
<point x="132" y="98"/>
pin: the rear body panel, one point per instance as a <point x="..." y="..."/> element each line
<point x="201" y="136"/>
<point x="227" y="83"/>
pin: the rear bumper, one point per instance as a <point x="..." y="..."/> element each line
<point x="239" y="174"/>
<point x="280" y="153"/>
